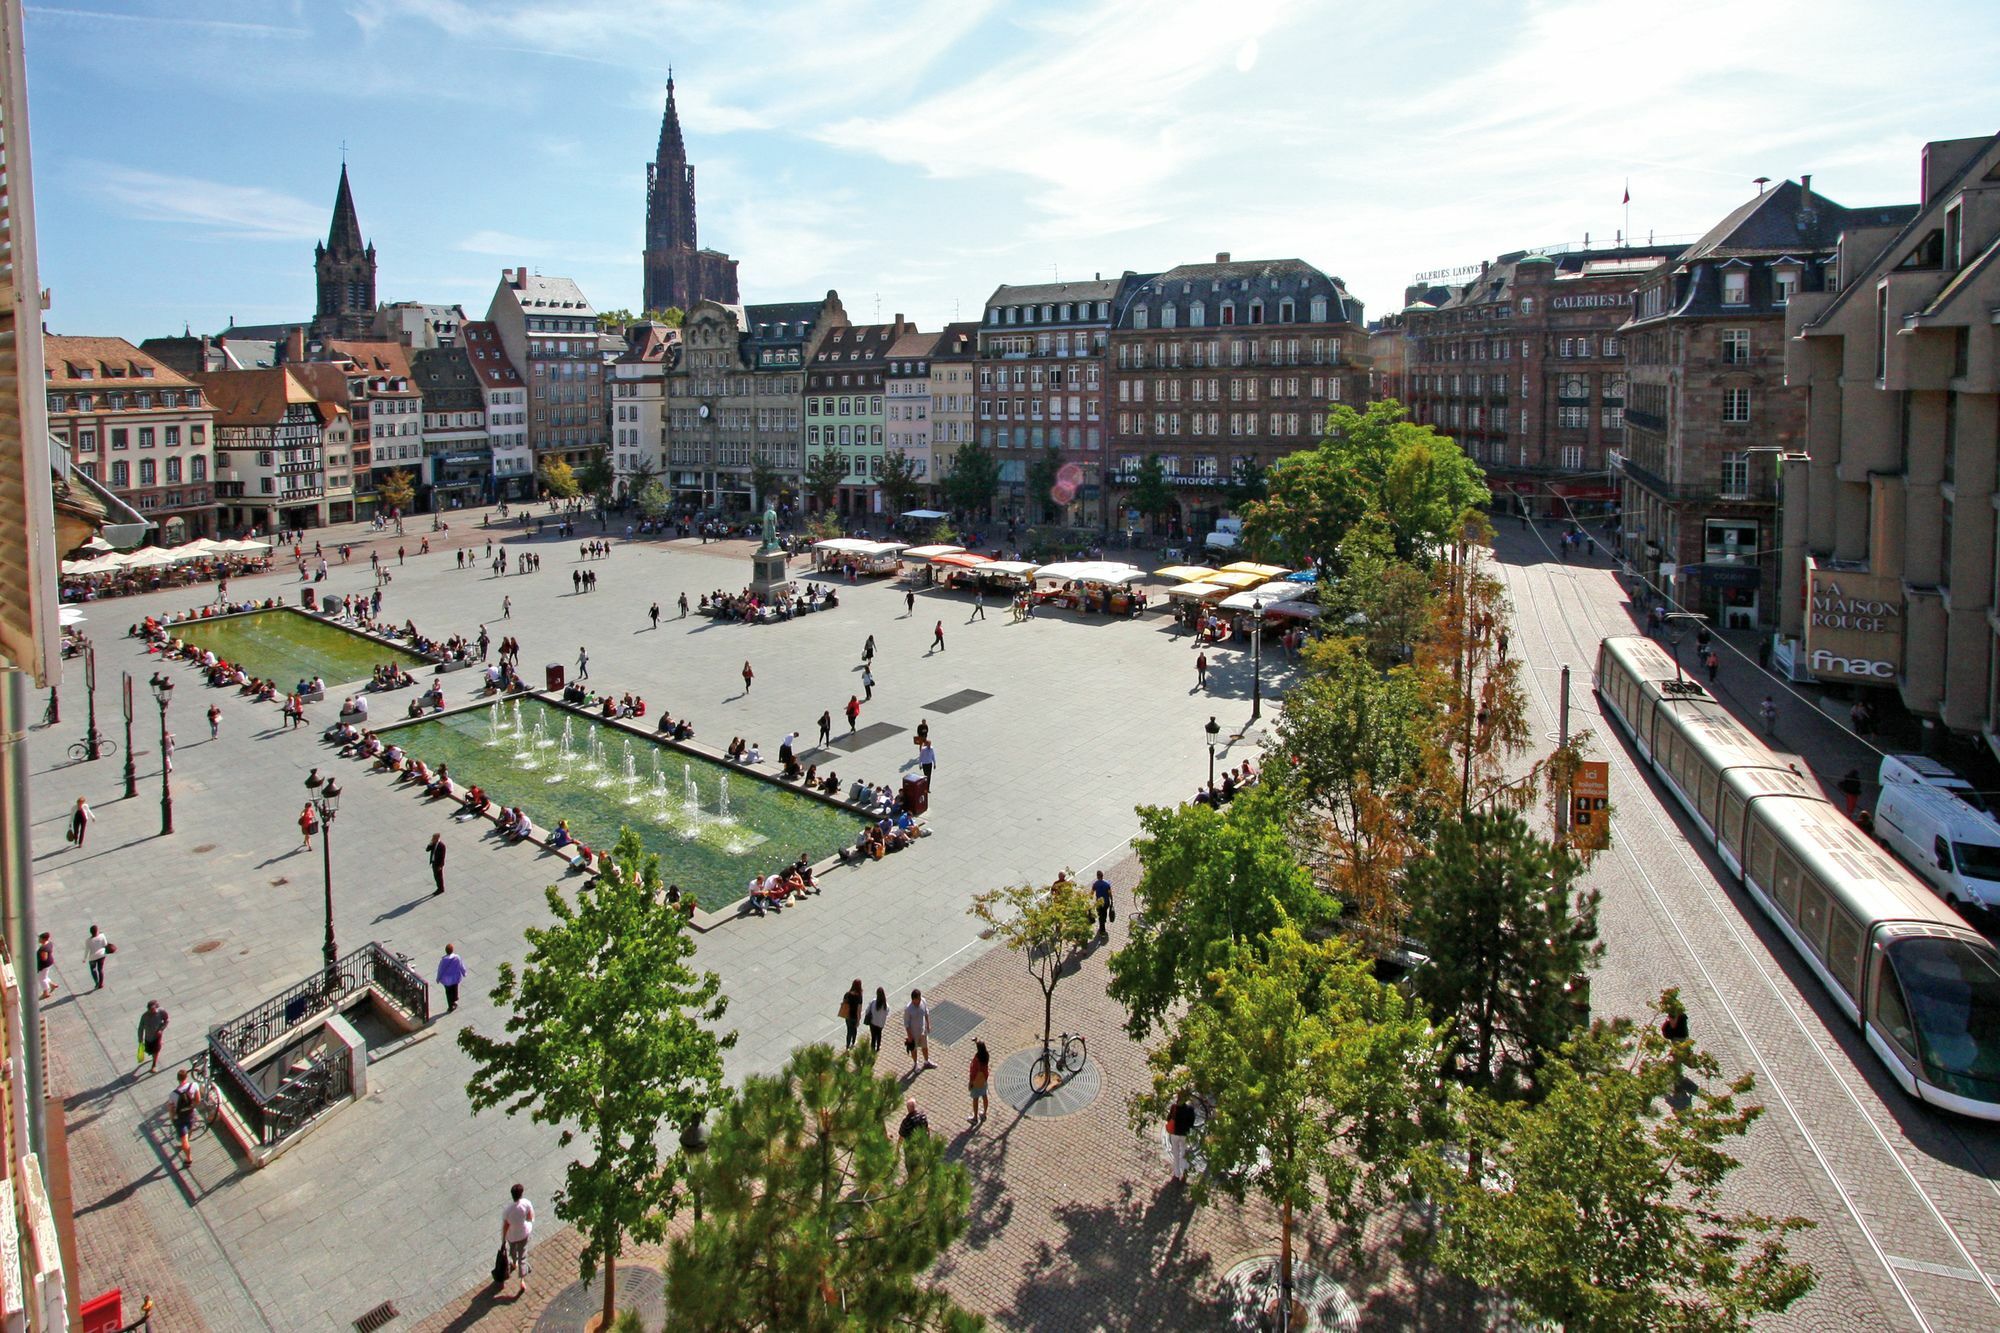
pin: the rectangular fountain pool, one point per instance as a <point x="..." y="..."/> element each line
<point x="713" y="826"/>
<point x="289" y="646"/>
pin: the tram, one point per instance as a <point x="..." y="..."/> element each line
<point x="1923" y="986"/>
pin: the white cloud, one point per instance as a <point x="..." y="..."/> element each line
<point x="1246" y="56"/>
<point x="241" y="212"/>
<point x="223" y="26"/>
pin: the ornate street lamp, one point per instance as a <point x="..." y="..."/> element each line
<point x="328" y="805"/>
<point x="93" y="740"/>
<point x="131" y="768"/>
<point x="1257" y="659"/>
<point x="1213" y="729"/>
<point x="163" y="694"/>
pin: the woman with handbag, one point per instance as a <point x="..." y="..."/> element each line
<point x="877" y="1018"/>
<point x="850" y="1011"/>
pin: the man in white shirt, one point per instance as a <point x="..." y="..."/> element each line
<point x="917" y="1031"/>
<point x="517" y="1224"/>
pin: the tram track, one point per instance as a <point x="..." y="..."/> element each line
<point x="1934" y="1284"/>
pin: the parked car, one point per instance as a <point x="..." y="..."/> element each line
<point x="1948" y="843"/>
<point x="1924" y="771"/>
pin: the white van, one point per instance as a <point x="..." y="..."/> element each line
<point x="1954" y="847"/>
<point x="1923" y="771"/>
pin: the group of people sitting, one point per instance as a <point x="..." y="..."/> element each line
<point x="770" y="893"/>
<point x="625" y="705"/>
<point x="1223" y="792"/>
<point x="747" y="607"/>
<point x="436" y="783"/>
<point x="501" y="678"/>
<point x="675" y="729"/>
<point x="389" y="676"/>
<point x="432" y="699"/>
<point x="894" y="831"/>
<point x="147" y="628"/>
<point x="741" y="751"/>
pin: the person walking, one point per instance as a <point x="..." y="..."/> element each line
<point x="654" y="615"/>
<point x="182" y="1103"/>
<point x="506" y="608"/>
<point x="937" y="639"/>
<point x="1100" y="889"/>
<point x="926" y="760"/>
<point x="868" y="683"/>
<point x="1714" y="665"/>
<point x="876" y="1016"/>
<point x="976" y="1076"/>
<point x="214" y="722"/>
<point x="1850" y="788"/>
<point x="1180" y="1123"/>
<point x="909" y="605"/>
<point x="81" y="818"/>
<point x="485" y="643"/>
<point x="868" y="651"/>
<point x="684" y="606"/>
<point x="435" y="852"/>
<point x="917" y="1031"/>
<point x="308" y="824"/>
<point x="152" y="1031"/>
<point x="1768" y="711"/>
<point x="95" y="950"/>
<point x="978" y="603"/>
<point x="451" y="971"/>
<point x="825" y="728"/>
<point x="850" y="1011"/>
<point x="517" y="1227"/>
<point x="45" y="961"/>
<point x="748" y="675"/>
<point x="582" y="664"/>
<point x="1201" y="671"/>
<point x="853" y="711"/>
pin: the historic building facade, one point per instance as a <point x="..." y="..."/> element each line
<point x="457" y="455"/>
<point x="954" y="397"/>
<point x="387" y="408"/>
<point x="138" y="427"/>
<point x="846" y="410"/>
<point x="344" y="273"/>
<point x="906" y="402"/>
<point x="1524" y="365"/>
<point x="1226" y="366"/>
<point x="638" y="392"/>
<point x="1708" y="413"/>
<point x="737" y="394"/>
<point x="549" y="331"/>
<point x="1041" y="384"/>
<point x="269" y="469"/>
<point x="506" y="397"/>
<point x="678" y="272"/>
<point x="1892" y="504"/>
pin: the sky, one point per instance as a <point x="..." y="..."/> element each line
<point x="915" y="156"/>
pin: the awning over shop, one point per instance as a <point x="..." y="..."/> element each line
<point x="961" y="560"/>
<point x="1197" y="592"/>
<point x="925" y="514"/>
<point x="1238" y="581"/>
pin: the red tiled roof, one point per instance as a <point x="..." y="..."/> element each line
<point x="489" y="356"/>
<point x="106" y="359"/>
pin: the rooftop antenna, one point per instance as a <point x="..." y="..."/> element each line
<point x="1057" y="270"/>
<point x="1760" y="183"/>
<point x="878" y="307"/>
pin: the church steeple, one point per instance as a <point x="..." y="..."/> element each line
<point x="345" y="233"/>
<point x="677" y="271"/>
<point x="672" y="150"/>
<point x="344" y="272"/>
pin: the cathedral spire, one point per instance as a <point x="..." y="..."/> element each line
<point x="344" y="236"/>
<point x="673" y="153"/>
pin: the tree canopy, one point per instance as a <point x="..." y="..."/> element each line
<point x="826" y="472"/>
<point x="398" y="489"/>
<point x="899" y="481"/>
<point x="597" y="478"/>
<point x="1044" y="471"/>
<point x="1150" y="494"/>
<point x="1049" y="925"/>
<point x="973" y="478"/>
<point x="559" y="479"/>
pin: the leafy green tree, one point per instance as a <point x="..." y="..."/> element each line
<point x="973" y="479"/>
<point x="767" y="481"/>
<point x="1599" y="1209"/>
<point x="824" y="525"/>
<point x="1050" y="926"/>
<point x="610" y="1035"/>
<point x="943" y="533"/>
<point x="818" y="1220"/>
<point x="597" y="478"/>
<point x="1150" y="493"/>
<point x="559" y="480"/>
<point x="1482" y="710"/>
<point x="1247" y="484"/>
<point x="1370" y="592"/>
<point x="1209" y="880"/>
<point x="614" y="321"/>
<point x="899" y="481"/>
<point x="653" y="499"/>
<point x="1044" y="471"/>
<point x="1377" y="462"/>
<point x="1511" y="940"/>
<point x="673" y="316"/>
<point x="1317" y="1076"/>
<point x="397" y="489"/>
<point x="825" y="472"/>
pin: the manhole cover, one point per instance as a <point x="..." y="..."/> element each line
<point x="203" y="847"/>
<point x="206" y="946"/>
<point x="1323" y="1303"/>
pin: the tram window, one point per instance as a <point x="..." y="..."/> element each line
<point x="1891" y="1015"/>
<point x="1732" y="821"/>
<point x="1813" y="909"/>
<point x="1843" y="951"/>
<point x="1706" y="800"/>
<point x="1953" y="988"/>
<point x="1785" y="884"/>
<point x="1763" y="855"/>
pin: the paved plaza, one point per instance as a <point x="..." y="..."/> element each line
<point x="395" y="1197"/>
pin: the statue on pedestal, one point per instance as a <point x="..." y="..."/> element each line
<point x="770" y="530"/>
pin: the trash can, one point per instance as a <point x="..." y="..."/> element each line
<point x="552" y="675"/>
<point x="916" y="795"/>
<point x="307" y="600"/>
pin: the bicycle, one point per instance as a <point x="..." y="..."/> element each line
<point x="208" y="1101"/>
<point x="1058" y="1061"/>
<point x="80" y="751"/>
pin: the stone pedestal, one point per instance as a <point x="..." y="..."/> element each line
<point x="770" y="578"/>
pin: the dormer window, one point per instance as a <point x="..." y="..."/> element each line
<point x="1197" y="314"/>
<point x="1169" y="315"/>
<point x="1954" y="236"/>
<point x="1318" y="309"/>
<point x="1736" y="287"/>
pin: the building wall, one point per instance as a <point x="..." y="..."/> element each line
<point x="755" y="401"/>
<point x="954" y="381"/>
<point x="1041" y="366"/>
<point x="158" y="458"/>
<point x="907" y="407"/>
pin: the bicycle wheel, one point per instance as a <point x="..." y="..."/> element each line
<point x="1046" y="1073"/>
<point x="1074" y="1055"/>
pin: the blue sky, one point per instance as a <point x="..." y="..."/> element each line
<point x="915" y="156"/>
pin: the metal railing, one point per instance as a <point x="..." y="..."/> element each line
<point x="298" y="1099"/>
<point x="370" y="966"/>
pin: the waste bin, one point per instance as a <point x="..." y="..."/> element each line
<point x="552" y="674"/>
<point x="916" y="795"/>
<point x="307" y="600"/>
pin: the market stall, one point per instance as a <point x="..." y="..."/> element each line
<point x="1091" y="585"/>
<point x="858" y="554"/>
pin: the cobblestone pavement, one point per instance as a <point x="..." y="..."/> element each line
<point x="1085" y="717"/>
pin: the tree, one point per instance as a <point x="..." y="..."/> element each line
<point x="766" y="480"/>
<point x="614" y="321"/>
<point x="1316" y="1075"/>
<point x="1599" y="1209"/>
<point x="673" y="316"/>
<point x="1511" y="940"/>
<point x="1050" y="926"/>
<point x="973" y="479"/>
<point x="818" y="1221"/>
<point x="825" y="525"/>
<point x="597" y="478"/>
<point x="559" y="480"/>
<point x="825" y="473"/>
<point x="1150" y="494"/>
<point x="943" y="533"/>
<point x="1246" y="484"/>
<point x="1376" y="462"/>
<point x="611" y="1036"/>
<point x="899" y="481"/>
<point x="1044" y="471"/>
<point x="1209" y="879"/>
<point x="653" y="499"/>
<point x="1475" y="689"/>
<point x="397" y="489"/>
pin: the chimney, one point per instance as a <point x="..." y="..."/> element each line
<point x="1808" y="215"/>
<point x="1222" y="256"/>
<point x="295" y="346"/>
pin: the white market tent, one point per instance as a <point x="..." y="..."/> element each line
<point x="930" y="552"/>
<point x="1023" y="568"/>
<point x="1197" y="591"/>
<point x="858" y="546"/>
<point x="1267" y="596"/>
<point x="246" y="546"/>
<point x="151" y="557"/>
<point x="1092" y="571"/>
<point x="926" y="514"/>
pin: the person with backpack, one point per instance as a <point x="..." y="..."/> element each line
<point x="914" y="1121"/>
<point x="182" y="1103"/>
<point x="1180" y="1124"/>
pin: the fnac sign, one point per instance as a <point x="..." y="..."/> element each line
<point x="1854" y="625"/>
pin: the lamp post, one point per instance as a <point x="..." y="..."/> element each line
<point x="1257" y="659"/>
<point x="131" y="768"/>
<point x="93" y="740"/>
<point x="694" y="1142"/>
<point x="328" y="805"/>
<point x="1213" y="729"/>
<point x="163" y="693"/>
